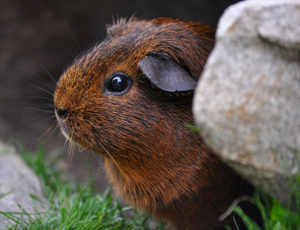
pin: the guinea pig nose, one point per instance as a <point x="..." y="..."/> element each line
<point x="61" y="113"/>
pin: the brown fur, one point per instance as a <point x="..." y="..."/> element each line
<point x="153" y="161"/>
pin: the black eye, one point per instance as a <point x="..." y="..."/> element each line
<point x="118" y="84"/>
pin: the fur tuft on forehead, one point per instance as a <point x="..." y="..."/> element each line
<point x="118" y="26"/>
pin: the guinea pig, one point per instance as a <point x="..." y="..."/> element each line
<point x="128" y="98"/>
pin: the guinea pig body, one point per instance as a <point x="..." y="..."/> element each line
<point x="128" y="99"/>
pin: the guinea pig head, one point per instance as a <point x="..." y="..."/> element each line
<point x="125" y="91"/>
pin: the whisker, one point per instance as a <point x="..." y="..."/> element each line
<point x="77" y="46"/>
<point x="37" y="78"/>
<point x="45" y="84"/>
<point x="40" y="118"/>
<point x="43" y="106"/>
<point x="49" y="132"/>
<point x="96" y="156"/>
<point x="48" y="73"/>
<point x="66" y="140"/>
<point x="40" y="88"/>
<point x="110" y="156"/>
<point x="39" y="110"/>
<point x="40" y="81"/>
<point x="39" y="97"/>
<point x="70" y="155"/>
<point x="39" y="121"/>
<point x="69" y="150"/>
<point x="81" y="149"/>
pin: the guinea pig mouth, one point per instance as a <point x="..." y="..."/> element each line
<point x="65" y="131"/>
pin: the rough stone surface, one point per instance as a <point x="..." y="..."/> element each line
<point x="247" y="103"/>
<point x="17" y="183"/>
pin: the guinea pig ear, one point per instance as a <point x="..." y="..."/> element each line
<point x="166" y="74"/>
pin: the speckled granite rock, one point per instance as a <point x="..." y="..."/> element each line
<point x="247" y="103"/>
<point x="17" y="183"/>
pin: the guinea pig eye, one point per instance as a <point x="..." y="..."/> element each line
<point x="117" y="84"/>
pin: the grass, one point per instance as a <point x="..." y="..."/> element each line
<point x="275" y="215"/>
<point x="71" y="206"/>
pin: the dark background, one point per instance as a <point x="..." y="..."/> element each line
<point x="39" y="39"/>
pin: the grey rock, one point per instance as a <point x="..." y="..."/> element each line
<point x="17" y="184"/>
<point x="247" y="103"/>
